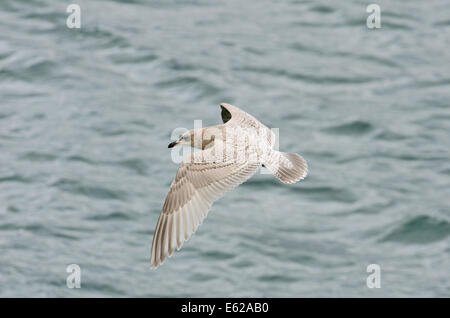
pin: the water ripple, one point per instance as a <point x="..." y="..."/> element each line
<point x="91" y="191"/>
<point x="357" y="127"/>
<point x="307" y="77"/>
<point x="422" y="229"/>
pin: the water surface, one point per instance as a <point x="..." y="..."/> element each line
<point x="86" y="116"/>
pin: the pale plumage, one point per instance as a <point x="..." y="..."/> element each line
<point x="231" y="154"/>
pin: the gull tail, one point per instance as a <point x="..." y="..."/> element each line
<point x="287" y="167"/>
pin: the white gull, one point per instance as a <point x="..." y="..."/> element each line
<point x="231" y="153"/>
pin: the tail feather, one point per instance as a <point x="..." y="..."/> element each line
<point x="287" y="167"/>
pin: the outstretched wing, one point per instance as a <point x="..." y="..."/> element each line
<point x="230" y="112"/>
<point x="234" y="116"/>
<point x="197" y="184"/>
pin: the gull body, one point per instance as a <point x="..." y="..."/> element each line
<point x="231" y="153"/>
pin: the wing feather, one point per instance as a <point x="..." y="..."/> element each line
<point x="195" y="187"/>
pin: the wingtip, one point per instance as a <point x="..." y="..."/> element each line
<point x="155" y="264"/>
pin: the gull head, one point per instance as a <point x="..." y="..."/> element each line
<point x="184" y="139"/>
<point x="196" y="138"/>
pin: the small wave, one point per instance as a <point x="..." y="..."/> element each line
<point x="105" y="288"/>
<point x="348" y="55"/>
<point x="137" y="165"/>
<point x="326" y="79"/>
<point x="6" y="115"/>
<point x="92" y="191"/>
<point x="110" y="216"/>
<point x="292" y="116"/>
<point x="132" y="58"/>
<point x="29" y="227"/>
<point x="34" y="70"/>
<point x="330" y="193"/>
<point x="189" y="82"/>
<point x="179" y="66"/>
<point x="411" y="156"/>
<point x="13" y="209"/>
<point x="254" y="51"/>
<point x="242" y="264"/>
<point x="218" y="255"/>
<point x="431" y="84"/>
<point x="420" y="230"/>
<point x="320" y="155"/>
<point x="64" y="236"/>
<point x="442" y="23"/>
<point x="130" y="1"/>
<point x="201" y="277"/>
<point x="389" y="135"/>
<point x="104" y="38"/>
<point x="51" y="18"/>
<point x="356" y="127"/>
<point x="179" y="81"/>
<point x="38" y="156"/>
<point x="78" y="158"/>
<point x="372" y="208"/>
<point x="38" y="229"/>
<point x="110" y="130"/>
<point x="15" y="178"/>
<point x="395" y="26"/>
<point x="301" y="259"/>
<point x="5" y="55"/>
<point x="322" y="9"/>
<point x="176" y="65"/>
<point x="277" y="278"/>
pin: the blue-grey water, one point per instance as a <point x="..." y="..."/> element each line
<point x="86" y="116"/>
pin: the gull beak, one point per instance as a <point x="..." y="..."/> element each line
<point x="173" y="144"/>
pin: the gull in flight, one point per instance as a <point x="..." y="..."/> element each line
<point x="230" y="154"/>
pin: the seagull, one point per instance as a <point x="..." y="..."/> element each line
<point x="227" y="155"/>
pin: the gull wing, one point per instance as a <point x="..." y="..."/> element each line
<point x="197" y="184"/>
<point x="234" y="116"/>
<point x="238" y="115"/>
